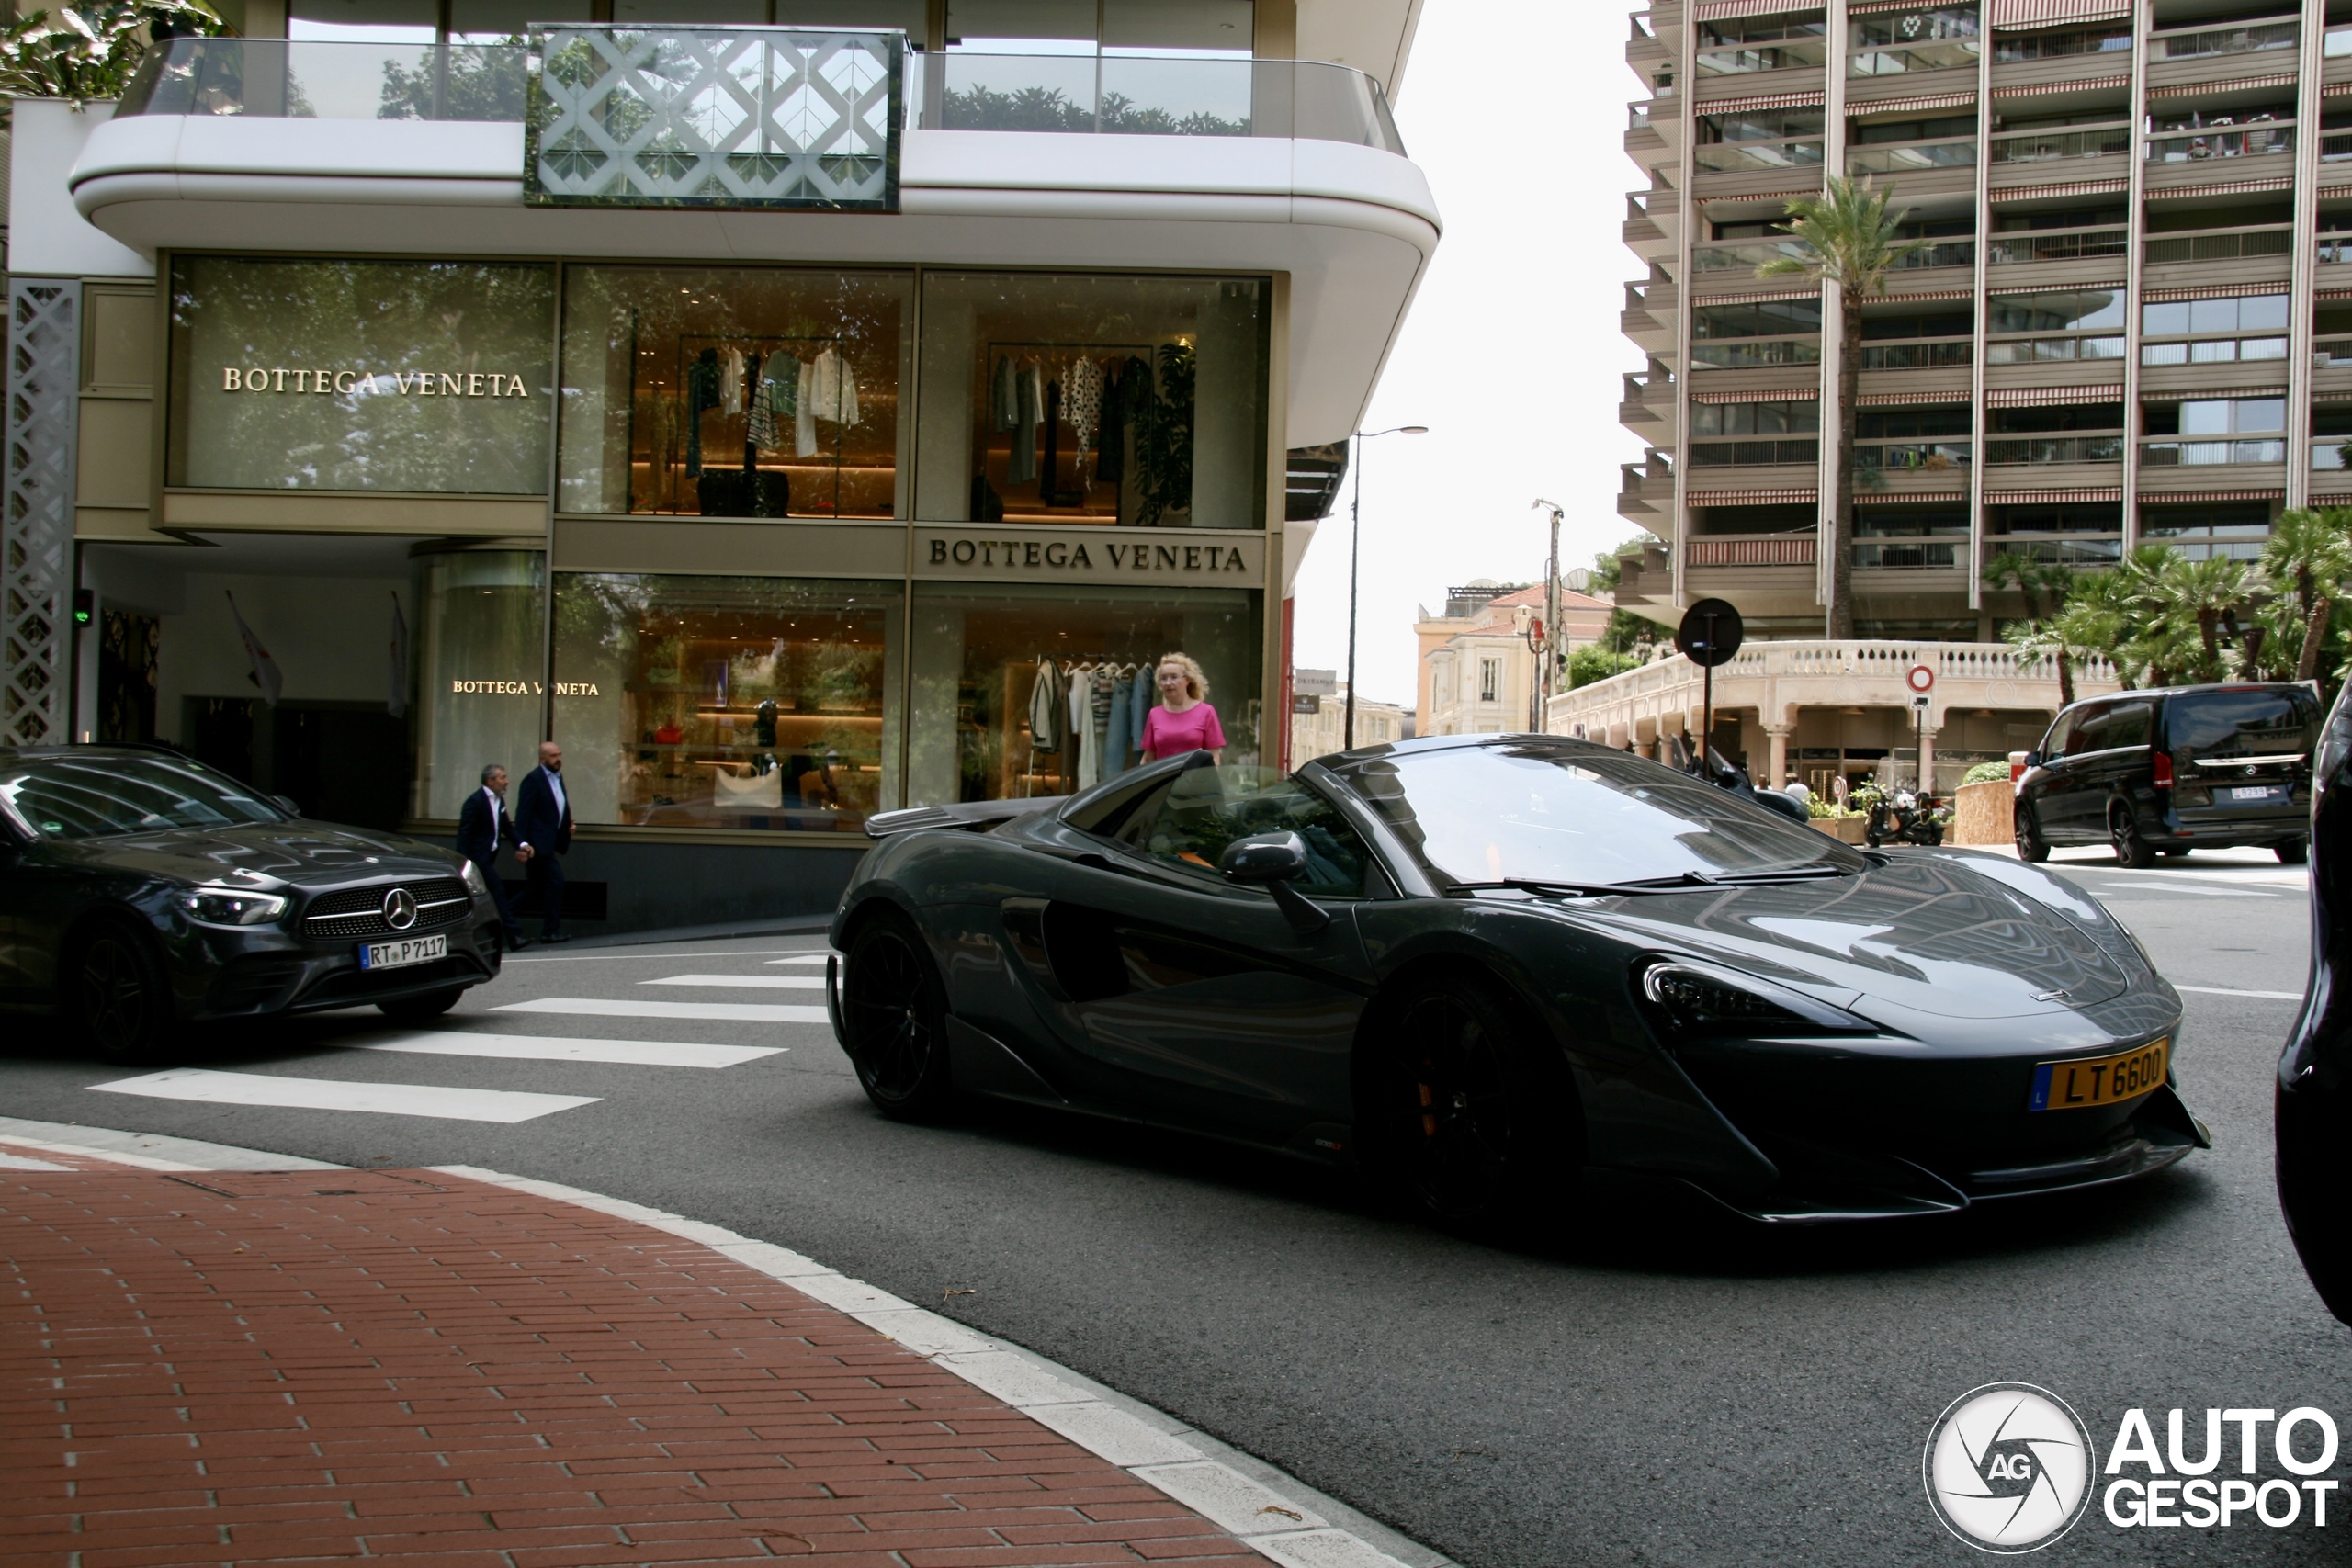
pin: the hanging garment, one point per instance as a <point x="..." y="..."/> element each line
<point x="828" y="392"/>
<point x="1101" y="695"/>
<point x="1004" y="396"/>
<point x="1050" y="467"/>
<point x="731" y="381"/>
<point x="776" y="399"/>
<point x="1076" y="751"/>
<point x="1082" y="406"/>
<point x="1044" y="709"/>
<point x="702" y="395"/>
<point x="1029" y="403"/>
<point x="1115" y="733"/>
<point x="1139" y="707"/>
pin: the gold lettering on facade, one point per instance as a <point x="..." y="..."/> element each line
<point x="359" y="383"/>
<point x="451" y="387"/>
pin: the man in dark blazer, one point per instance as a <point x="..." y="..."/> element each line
<point x="543" y="817"/>
<point x="484" y="828"/>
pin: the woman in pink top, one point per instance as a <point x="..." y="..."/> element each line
<point x="1183" y="721"/>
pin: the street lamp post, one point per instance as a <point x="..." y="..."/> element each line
<point x="1548" y="660"/>
<point x="1355" y="550"/>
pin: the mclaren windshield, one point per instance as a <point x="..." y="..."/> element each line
<point x="1574" y="816"/>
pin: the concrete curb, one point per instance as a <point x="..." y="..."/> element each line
<point x="1267" y="1509"/>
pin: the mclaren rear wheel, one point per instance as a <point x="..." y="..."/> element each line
<point x="1473" y="1109"/>
<point x="894" y="1021"/>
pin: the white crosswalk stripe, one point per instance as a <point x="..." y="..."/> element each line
<point x="730" y="1012"/>
<point x="744" y="982"/>
<point x="328" y="1094"/>
<point x="558" y="1048"/>
<point x="805" y="958"/>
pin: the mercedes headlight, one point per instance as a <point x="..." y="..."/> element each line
<point x="472" y="873"/>
<point x="1701" y="1000"/>
<point x="231" y="907"/>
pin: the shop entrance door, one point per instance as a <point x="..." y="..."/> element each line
<point x="345" y="762"/>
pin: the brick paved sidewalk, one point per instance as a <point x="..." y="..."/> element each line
<point x="321" y="1366"/>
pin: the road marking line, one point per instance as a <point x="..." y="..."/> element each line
<point x="653" y="950"/>
<point x="1275" y="1523"/>
<point x="76" y="1141"/>
<point x="2194" y="892"/>
<point x="2228" y="991"/>
<point x="18" y="1162"/>
<point x="725" y="1012"/>
<point x="806" y="958"/>
<point x="556" y="1048"/>
<point x="332" y="1094"/>
<point x="744" y="982"/>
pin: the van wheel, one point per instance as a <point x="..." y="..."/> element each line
<point x="2295" y="854"/>
<point x="2130" y="849"/>
<point x="2031" y="846"/>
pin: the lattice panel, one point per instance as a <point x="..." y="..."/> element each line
<point x="714" y="117"/>
<point x="37" y="527"/>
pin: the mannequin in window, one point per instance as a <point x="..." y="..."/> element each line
<point x="1183" y="721"/>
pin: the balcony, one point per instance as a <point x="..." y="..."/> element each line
<point x="1918" y="554"/>
<point x="2210" y="43"/>
<point x="2208" y="453"/>
<point x="1912" y="158"/>
<point x="787" y="144"/>
<point x="2015" y="248"/>
<point x="1750" y="549"/>
<point x="1877" y="462"/>
<point x="2216" y="145"/>
<point x="2046" y="450"/>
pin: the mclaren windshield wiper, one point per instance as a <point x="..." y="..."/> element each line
<point x="1763" y="878"/>
<point x="1680" y="881"/>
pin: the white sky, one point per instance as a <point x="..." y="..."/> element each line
<point x="1515" y="109"/>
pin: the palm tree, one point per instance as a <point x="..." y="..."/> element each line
<point x="2044" y="642"/>
<point x="2045" y="584"/>
<point x="2311" y="551"/>
<point x="1852" y="236"/>
<point x="2202" y="591"/>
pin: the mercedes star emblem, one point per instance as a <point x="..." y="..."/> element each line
<point x="400" y="909"/>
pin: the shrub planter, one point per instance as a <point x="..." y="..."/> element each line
<point x="1845" y="830"/>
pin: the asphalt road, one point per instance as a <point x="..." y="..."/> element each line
<point x="1668" y="1390"/>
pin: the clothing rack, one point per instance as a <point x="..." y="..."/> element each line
<point x="1048" y="484"/>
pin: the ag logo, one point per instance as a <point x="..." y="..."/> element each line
<point x="2007" y="1467"/>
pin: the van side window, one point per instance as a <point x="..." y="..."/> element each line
<point x="2090" y="726"/>
<point x="2126" y="726"/>
<point x="2054" y="743"/>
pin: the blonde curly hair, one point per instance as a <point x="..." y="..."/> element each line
<point x="1195" y="680"/>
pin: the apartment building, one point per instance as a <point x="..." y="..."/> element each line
<point x="2129" y="320"/>
<point x="1477" y="670"/>
<point x="763" y="399"/>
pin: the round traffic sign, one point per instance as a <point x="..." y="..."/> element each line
<point x="1710" y="633"/>
<point x="1920" y="679"/>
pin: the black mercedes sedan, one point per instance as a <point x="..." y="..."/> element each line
<point x="1480" y="967"/>
<point x="2314" y="1110"/>
<point x="140" y="889"/>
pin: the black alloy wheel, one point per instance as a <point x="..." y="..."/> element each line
<point x="2130" y="849"/>
<point x="1476" y="1116"/>
<point x="2031" y="846"/>
<point x="120" y="999"/>
<point x="420" y="1010"/>
<point x="894" y="1015"/>
<point x="2294" y="852"/>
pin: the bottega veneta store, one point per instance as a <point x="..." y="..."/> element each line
<point x="767" y="548"/>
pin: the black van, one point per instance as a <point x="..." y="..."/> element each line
<point x="2174" y="770"/>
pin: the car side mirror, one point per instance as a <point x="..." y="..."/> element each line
<point x="2033" y="759"/>
<point x="285" y="803"/>
<point x="1263" y="858"/>
<point x="1273" y="861"/>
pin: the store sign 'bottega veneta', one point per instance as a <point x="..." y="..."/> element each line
<point x="522" y="689"/>
<point x="1058" y="554"/>
<point x="364" y="383"/>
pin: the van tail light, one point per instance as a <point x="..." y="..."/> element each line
<point x="2164" y="770"/>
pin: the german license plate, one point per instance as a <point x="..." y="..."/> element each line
<point x="2099" y="1080"/>
<point x="400" y="955"/>
<point x="2252" y="792"/>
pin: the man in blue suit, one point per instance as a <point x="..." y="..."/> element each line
<point x="543" y="817"/>
<point x="484" y="828"/>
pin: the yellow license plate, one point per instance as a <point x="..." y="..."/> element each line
<point x="2100" y="1080"/>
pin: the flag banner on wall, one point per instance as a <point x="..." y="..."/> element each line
<point x="396" y="693"/>
<point x="264" y="672"/>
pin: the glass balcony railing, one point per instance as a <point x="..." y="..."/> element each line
<point x="1110" y="95"/>
<point x="2336" y="43"/>
<point x="2196" y="147"/>
<point x="2336" y="247"/>
<point x="1747" y="254"/>
<point x="1149" y="95"/>
<point x="1911" y="160"/>
<point x="2048" y="350"/>
<point x="2328" y="454"/>
<point x="1750" y="453"/>
<point x="271" y="79"/>
<point x="1907" y="555"/>
<point x="1753" y="355"/>
<point x="2228" y="245"/>
<point x="2056" y="449"/>
<point x="2046" y="146"/>
<point x="2081" y="246"/>
<point x="2223" y="41"/>
<point x="2213" y="351"/>
<point x="1911" y="457"/>
<point x="1739" y="59"/>
<point x="1918" y="355"/>
<point x="2184" y="454"/>
<point x="1729" y="157"/>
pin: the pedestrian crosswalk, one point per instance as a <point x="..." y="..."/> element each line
<point x="479" y="1036"/>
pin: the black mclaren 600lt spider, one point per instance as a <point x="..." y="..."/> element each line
<point x="1479" y="966"/>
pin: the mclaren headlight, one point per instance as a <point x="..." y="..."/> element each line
<point x="1696" y="999"/>
<point x="231" y="907"/>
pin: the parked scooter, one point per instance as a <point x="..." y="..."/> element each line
<point x="1905" y="818"/>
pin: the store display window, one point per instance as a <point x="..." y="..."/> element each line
<point x="360" y="375"/>
<point x="1058" y="398"/>
<point x="732" y="392"/>
<point x="1020" y="691"/>
<point x="481" y="661"/>
<point x="762" y="704"/>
